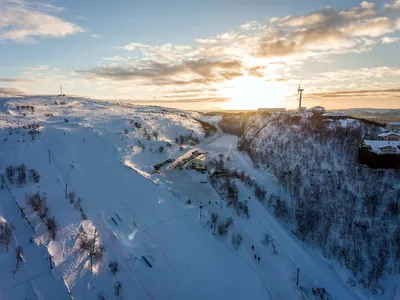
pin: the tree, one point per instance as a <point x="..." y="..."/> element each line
<point x="21" y="174"/>
<point x="155" y="134"/>
<point x="52" y="227"/>
<point x="10" y="174"/>
<point x="214" y="221"/>
<point x="161" y="149"/>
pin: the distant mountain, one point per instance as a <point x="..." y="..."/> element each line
<point x="382" y="115"/>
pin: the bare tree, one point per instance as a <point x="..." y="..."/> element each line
<point x="5" y="234"/>
<point x="52" y="227"/>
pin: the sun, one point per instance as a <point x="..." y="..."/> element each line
<point x="251" y="93"/>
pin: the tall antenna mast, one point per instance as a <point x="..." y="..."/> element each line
<point x="61" y="89"/>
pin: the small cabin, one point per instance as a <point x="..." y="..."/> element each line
<point x="390" y="136"/>
<point x="393" y="126"/>
<point x="197" y="165"/>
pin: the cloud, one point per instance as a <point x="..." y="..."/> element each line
<point x="13" y="80"/>
<point x="356" y="93"/>
<point x="23" y="22"/>
<point x="11" y="91"/>
<point x="372" y="28"/>
<point x="308" y="20"/>
<point x="187" y="71"/>
<point x="394" y="6"/>
<point x="390" y="40"/>
<point x="96" y="36"/>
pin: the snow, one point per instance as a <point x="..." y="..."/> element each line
<point x="112" y="173"/>
<point x="334" y="114"/>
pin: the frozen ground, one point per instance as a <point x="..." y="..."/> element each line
<point x="136" y="213"/>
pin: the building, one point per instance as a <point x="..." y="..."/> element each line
<point x="389" y="136"/>
<point x="393" y="126"/>
<point x="197" y="165"/>
<point x="278" y="109"/>
<point x="318" y="110"/>
<point x="380" y="154"/>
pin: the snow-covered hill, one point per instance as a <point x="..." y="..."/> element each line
<point x="348" y="211"/>
<point x="91" y="213"/>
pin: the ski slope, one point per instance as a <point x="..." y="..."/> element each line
<point x="137" y="213"/>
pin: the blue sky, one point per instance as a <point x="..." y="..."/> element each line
<point x="221" y="53"/>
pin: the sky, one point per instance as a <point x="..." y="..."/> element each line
<point x="210" y="54"/>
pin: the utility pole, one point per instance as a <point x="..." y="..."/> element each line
<point x="49" y="157"/>
<point x="91" y="254"/>
<point x="51" y="266"/>
<point x="61" y="89"/>
<point x="66" y="190"/>
<point x="298" y="274"/>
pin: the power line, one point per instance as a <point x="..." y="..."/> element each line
<point x="19" y="283"/>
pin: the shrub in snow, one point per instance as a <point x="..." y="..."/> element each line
<point x="113" y="267"/>
<point x="66" y="120"/>
<point x="125" y="131"/>
<point x="237" y="240"/>
<point x="38" y="204"/>
<point x="188" y="202"/>
<point x="34" y="176"/>
<point x="10" y="174"/>
<point x="155" y="134"/>
<point x="117" y="288"/>
<point x="265" y="239"/>
<point x="161" y="149"/>
<point x="52" y="227"/>
<point x="101" y="296"/>
<point x="223" y="227"/>
<point x="5" y="233"/>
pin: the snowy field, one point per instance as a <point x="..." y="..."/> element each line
<point x="104" y="153"/>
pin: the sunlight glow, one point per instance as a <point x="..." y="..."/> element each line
<point x="251" y="93"/>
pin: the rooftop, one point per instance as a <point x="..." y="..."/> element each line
<point x="377" y="146"/>
<point x="385" y="134"/>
